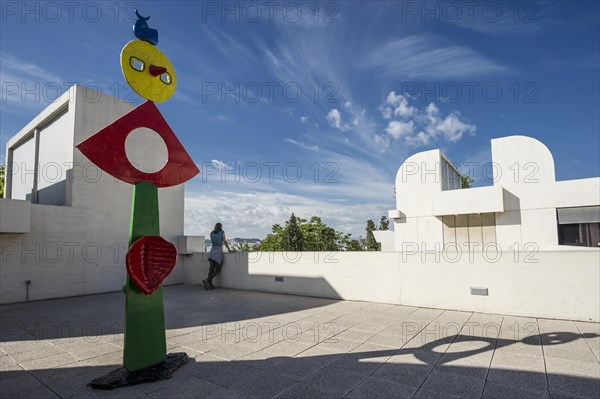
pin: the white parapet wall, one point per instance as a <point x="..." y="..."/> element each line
<point x="547" y="284"/>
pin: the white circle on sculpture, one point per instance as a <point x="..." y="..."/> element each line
<point x="146" y="150"/>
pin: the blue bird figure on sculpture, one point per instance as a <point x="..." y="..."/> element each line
<point x="142" y="31"/>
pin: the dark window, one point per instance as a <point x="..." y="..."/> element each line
<point x="580" y="234"/>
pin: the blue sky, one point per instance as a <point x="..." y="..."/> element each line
<point x="341" y="92"/>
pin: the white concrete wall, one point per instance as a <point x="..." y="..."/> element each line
<point x="548" y="284"/>
<point x="80" y="249"/>
<point x="15" y="216"/>
<point x="386" y="239"/>
<point x="342" y="275"/>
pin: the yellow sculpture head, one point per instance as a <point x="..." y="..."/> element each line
<point x="148" y="71"/>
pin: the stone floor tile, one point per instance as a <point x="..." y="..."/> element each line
<point x="494" y="390"/>
<point x="287" y="348"/>
<point x="454" y="384"/>
<point x="585" y="387"/>
<point x="300" y="390"/>
<point x="77" y="386"/>
<point x="49" y="362"/>
<point x="260" y="384"/>
<point x="373" y="388"/>
<point x="355" y="335"/>
<point x="519" y="378"/>
<point x="88" y="352"/>
<point x="20" y="385"/>
<point x="572" y="368"/>
<point x="557" y="352"/>
<point x="359" y="363"/>
<point x="300" y="368"/>
<point x="428" y="394"/>
<point x="61" y="372"/>
<point x="406" y="374"/>
<point x="181" y="385"/>
<point x="336" y="380"/>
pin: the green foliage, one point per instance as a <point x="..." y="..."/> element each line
<point x="465" y="181"/>
<point x="273" y="241"/>
<point x="292" y="238"/>
<point x="309" y="235"/>
<point x="384" y="223"/>
<point x="320" y="237"/>
<point x="372" y="244"/>
<point x="356" y="244"/>
<point x="2" y="171"/>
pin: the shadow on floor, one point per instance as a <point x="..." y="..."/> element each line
<point x="421" y="372"/>
<point x="410" y="364"/>
<point x="103" y="314"/>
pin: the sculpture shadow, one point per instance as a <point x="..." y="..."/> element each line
<point x="418" y="371"/>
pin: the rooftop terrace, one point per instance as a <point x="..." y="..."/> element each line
<point x="251" y="344"/>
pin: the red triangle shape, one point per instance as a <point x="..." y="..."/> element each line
<point x="106" y="149"/>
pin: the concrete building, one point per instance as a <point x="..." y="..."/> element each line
<point x="64" y="223"/>
<point x="525" y="209"/>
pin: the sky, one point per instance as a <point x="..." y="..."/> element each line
<point x="311" y="107"/>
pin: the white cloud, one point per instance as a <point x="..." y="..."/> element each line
<point x="397" y="105"/>
<point x="302" y="145"/>
<point x="432" y="109"/>
<point x="397" y="129"/>
<point x="419" y="140"/>
<point x="335" y="118"/>
<point x="381" y="141"/>
<point x="19" y="75"/>
<point x="405" y="119"/>
<point x="423" y="57"/>
<point x="220" y="164"/>
<point x="304" y="119"/>
<point x="251" y="214"/>
<point x="220" y="119"/>
<point x="452" y="128"/>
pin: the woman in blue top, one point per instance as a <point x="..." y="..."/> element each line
<point x="215" y="257"/>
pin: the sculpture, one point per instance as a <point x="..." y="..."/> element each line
<point x="150" y="258"/>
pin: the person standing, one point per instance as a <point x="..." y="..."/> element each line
<point x="215" y="257"/>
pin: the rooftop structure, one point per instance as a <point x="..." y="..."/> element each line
<point x="524" y="209"/>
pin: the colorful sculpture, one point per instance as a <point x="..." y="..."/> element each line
<point x="150" y="258"/>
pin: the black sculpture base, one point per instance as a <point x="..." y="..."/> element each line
<point x="122" y="377"/>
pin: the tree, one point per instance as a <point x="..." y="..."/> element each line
<point x="273" y="241"/>
<point x="316" y="236"/>
<point x="465" y="181"/>
<point x="292" y="238"/>
<point x="2" y="171"/>
<point x="384" y="223"/>
<point x="372" y="244"/>
<point x="355" y="244"/>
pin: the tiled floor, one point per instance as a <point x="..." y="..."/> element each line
<point x="250" y="344"/>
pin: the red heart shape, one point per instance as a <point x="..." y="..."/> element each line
<point x="149" y="261"/>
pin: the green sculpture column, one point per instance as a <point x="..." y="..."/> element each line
<point x="145" y="341"/>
